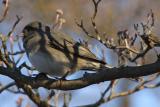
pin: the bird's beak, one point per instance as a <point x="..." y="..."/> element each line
<point x="21" y="35"/>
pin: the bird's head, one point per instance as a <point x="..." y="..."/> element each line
<point x="30" y="29"/>
<point x="31" y="33"/>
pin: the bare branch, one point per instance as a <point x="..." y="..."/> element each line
<point x="81" y="25"/>
<point x="24" y="65"/>
<point x="6" y="8"/>
<point x="101" y="100"/>
<point x="95" y="27"/>
<point x="96" y="3"/>
<point x="103" y="75"/>
<point x="33" y="96"/>
<point x="15" y="24"/>
<point x="17" y="53"/>
<point x="7" y="86"/>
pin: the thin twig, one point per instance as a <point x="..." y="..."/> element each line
<point x="96" y="3"/>
<point x="14" y="26"/>
<point x="6" y="8"/>
<point x="7" y="86"/>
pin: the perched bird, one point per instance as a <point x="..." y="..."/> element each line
<point x="55" y="53"/>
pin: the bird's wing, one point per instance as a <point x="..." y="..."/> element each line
<point x="61" y="37"/>
<point x="74" y="47"/>
<point x="67" y="40"/>
<point x="83" y="52"/>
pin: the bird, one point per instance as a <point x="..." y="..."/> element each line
<point x="55" y="53"/>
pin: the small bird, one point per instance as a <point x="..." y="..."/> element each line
<point x="55" y="53"/>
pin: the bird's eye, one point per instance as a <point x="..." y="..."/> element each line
<point x="29" y="28"/>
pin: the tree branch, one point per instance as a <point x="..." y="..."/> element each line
<point x="7" y="86"/>
<point x="86" y="80"/>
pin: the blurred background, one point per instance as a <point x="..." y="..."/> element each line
<point x="112" y="16"/>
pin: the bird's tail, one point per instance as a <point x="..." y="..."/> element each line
<point x="95" y="66"/>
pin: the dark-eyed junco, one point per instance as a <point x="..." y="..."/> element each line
<point x="55" y="53"/>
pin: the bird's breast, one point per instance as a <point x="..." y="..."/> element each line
<point x="49" y="62"/>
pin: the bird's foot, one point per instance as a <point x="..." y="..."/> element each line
<point x="63" y="77"/>
<point x="41" y="76"/>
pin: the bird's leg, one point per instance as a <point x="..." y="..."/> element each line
<point x="65" y="75"/>
<point x="41" y="75"/>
